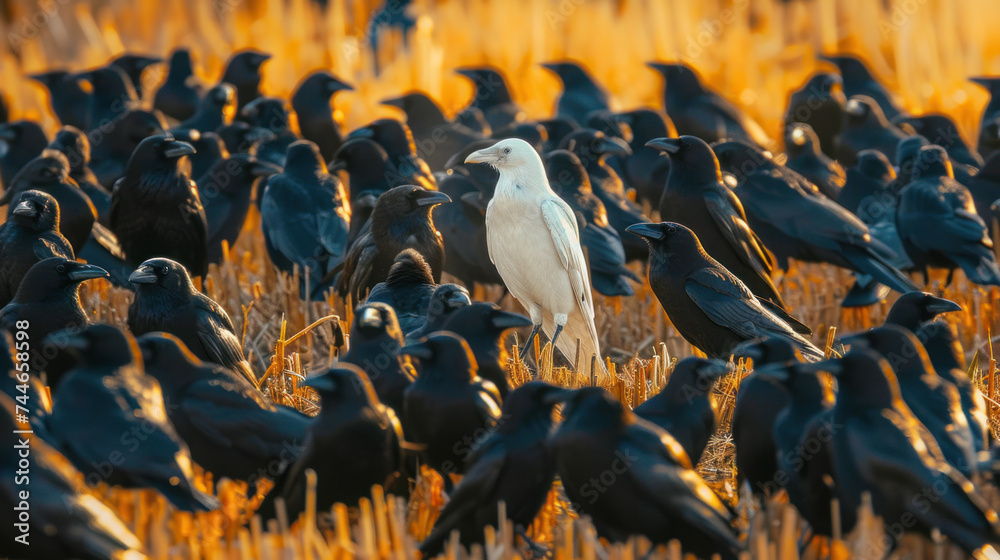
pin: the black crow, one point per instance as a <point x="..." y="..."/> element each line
<point x="67" y="98"/>
<point x="311" y="103"/>
<point x="444" y="302"/>
<point x="407" y="289"/>
<point x="483" y="325"/>
<point x="20" y="142"/>
<point x="178" y="97"/>
<point x="215" y="110"/>
<point x="226" y="191"/>
<point x="436" y="138"/>
<point x="30" y="235"/>
<point x="375" y="343"/>
<point x="866" y="127"/>
<point x="820" y="104"/>
<point x="646" y="170"/>
<point x="806" y="159"/>
<point x="491" y="95"/>
<point x="857" y="79"/>
<point x="243" y="72"/>
<point x="134" y="65"/>
<point x="581" y="93"/>
<point x="396" y="139"/>
<point x="73" y="144"/>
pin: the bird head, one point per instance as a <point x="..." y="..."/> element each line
<point x="587" y="411"/>
<point x="304" y="155"/>
<point x="343" y="383"/>
<point x="509" y="156"/>
<point x="392" y="134"/>
<point x="667" y="238"/>
<point x="376" y="319"/>
<point x="246" y="63"/>
<point x="874" y="164"/>
<point x="443" y="355"/>
<point x="864" y="379"/>
<point x="677" y="77"/>
<point x="863" y="110"/>
<point x="408" y="200"/>
<point x="160" y="150"/>
<point x="565" y="172"/>
<point x="484" y="316"/>
<point x="801" y="138"/>
<point x="914" y="308"/>
<point x="531" y="403"/>
<point x="416" y="103"/>
<point x="222" y="96"/>
<point x="767" y="351"/>
<point x="360" y="155"/>
<point x="26" y="134"/>
<point x="826" y="84"/>
<point x="95" y="343"/>
<point x="691" y="154"/>
<point x="50" y="79"/>
<point x="899" y="345"/>
<point x="932" y="161"/>
<point x="447" y="298"/>
<point x="162" y="274"/>
<point x="697" y="376"/>
<point x="180" y="63"/>
<point x="37" y="211"/>
<point x="267" y="112"/>
<point x="593" y="145"/>
<point x="137" y="125"/>
<point x="73" y="143"/>
<point x="164" y="351"/>
<point x="48" y="169"/>
<point x="56" y="275"/>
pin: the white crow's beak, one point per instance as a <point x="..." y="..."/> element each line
<point x="486" y="155"/>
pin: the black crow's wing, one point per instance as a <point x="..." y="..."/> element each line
<point x="727" y="213"/>
<point x="217" y="335"/>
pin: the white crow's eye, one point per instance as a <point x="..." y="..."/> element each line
<point x="506" y="150"/>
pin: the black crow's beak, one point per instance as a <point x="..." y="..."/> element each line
<point x="459" y="299"/>
<point x="556" y="395"/>
<point x="986" y="81"/>
<point x="80" y="272"/>
<point x="615" y="146"/>
<point x="647" y="231"/>
<point x="715" y="369"/>
<point x="508" y="320"/>
<point x="941" y="305"/>
<point x="333" y="86"/>
<point x="143" y="275"/>
<point x="24" y="208"/>
<point x="396" y="102"/>
<point x="834" y="367"/>
<point x="661" y="67"/>
<point x="66" y="339"/>
<point x="259" y="59"/>
<point x="468" y="72"/>
<point x="264" y="169"/>
<point x="669" y="145"/>
<point x="363" y="132"/>
<point x="178" y="149"/>
<point x="420" y="350"/>
<point x="432" y="198"/>
<point x="749" y="349"/>
<point x="371" y="317"/>
<point x="322" y="383"/>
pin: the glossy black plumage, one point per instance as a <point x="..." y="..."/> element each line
<point x="155" y="208"/>
<point x="580" y="95"/>
<point x="166" y="300"/>
<point x="795" y="222"/>
<point x="933" y="400"/>
<point x="652" y="489"/>
<point x="940" y="129"/>
<point x="866" y="127"/>
<point x="606" y="255"/>
<point x="515" y="464"/>
<point x="103" y="406"/>
<point x="352" y="445"/>
<point x="243" y="72"/>
<point x="444" y="301"/>
<point x="988" y="141"/>
<point x="305" y="217"/>
<point x="960" y="237"/>
<point x="462" y="224"/>
<point x="820" y="104"/>
<point x="109" y="157"/>
<point x="230" y="427"/>
<point x="30" y="235"/>
<point x="483" y="326"/>
<point x="226" y="191"/>
<point x="806" y="159"/>
<point x="75" y="145"/>
<point x="407" y="289"/>
<point x="311" y="103"/>
<point x="685" y="407"/>
<point x="593" y="147"/>
<point x="400" y="220"/>
<point x="913" y="309"/>
<point x="178" y="97"/>
<point x="66" y="98"/>
<point x="864" y="192"/>
<point x="859" y="80"/>
<point x="436" y="138"/>
<point x="49" y="173"/>
<point x="20" y="142"/>
<point x="271" y="113"/>
<point x="491" y="95"/>
<point x="369" y="169"/>
<point x="646" y="169"/>
<point x="984" y="187"/>
<point x="49" y="299"/>
<point x="884" y="450"/>
<point x="64" y="520"/>
<point x="397" y="140"/>
<point x="709" y="306"/>
<point x="134" y="65"/>
<point x="214" y="110"/>
<point x="375" y="342"/>
<point x="698" y="111"/>
<point x="112" y="96"/>
<point x="448" y="408"/>
<point x="695" y="196"/>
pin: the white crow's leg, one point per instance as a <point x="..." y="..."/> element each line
<point x="560" y="321"/>
<point x="536" y="325"/>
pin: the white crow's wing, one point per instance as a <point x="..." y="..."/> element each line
<point x="566" y="238"/>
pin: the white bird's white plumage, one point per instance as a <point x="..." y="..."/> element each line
<point x="534" y="241"/>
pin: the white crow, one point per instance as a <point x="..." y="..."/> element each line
<point x="534" y="242"/>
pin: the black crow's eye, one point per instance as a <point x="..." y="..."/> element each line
<point x="61" y="268"/>
<point x="164" y="271"/>
<point x="671" y="229"/>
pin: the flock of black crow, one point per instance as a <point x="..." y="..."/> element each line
<point x="146" y="189"/>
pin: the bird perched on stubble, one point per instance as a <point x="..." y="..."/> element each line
<point x="166" y="300"/>
<point x="710" y="307"/>
<point x="516" y="465"/>
<point x="534" y="242"/>
<point x="685" y="407"/>
<point x="156" y="210"/>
